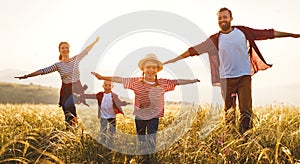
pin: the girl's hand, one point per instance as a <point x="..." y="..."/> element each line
<point x="96" y="75"/>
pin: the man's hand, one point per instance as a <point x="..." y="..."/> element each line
<point x="169" y="61"/>
<point x="295" y="35"/>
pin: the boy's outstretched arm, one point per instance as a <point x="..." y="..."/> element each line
<point x="124" y="103"/>
<point x="116" y="79"/>
<point x="187" y="81"/>
<point x="88" y="96"/>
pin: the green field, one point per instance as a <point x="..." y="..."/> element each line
<point x="33" y="94"/>
<point x="36" y="134"/>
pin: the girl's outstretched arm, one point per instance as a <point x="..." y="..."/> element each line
<point x="116" y="79"/>
<point x="187" y="81"/>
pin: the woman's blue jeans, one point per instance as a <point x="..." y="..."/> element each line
<point x="69" y="106"/>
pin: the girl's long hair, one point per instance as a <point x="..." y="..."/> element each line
<point x="143" y="79"/>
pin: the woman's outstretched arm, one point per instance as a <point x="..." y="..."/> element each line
<point x="89" y="47"/>
<point x="36" y="73"/>
<point x="86" y="50"/>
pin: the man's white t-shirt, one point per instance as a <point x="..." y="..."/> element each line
<point x="233" y="55"/>
<point x="107" y="110"/>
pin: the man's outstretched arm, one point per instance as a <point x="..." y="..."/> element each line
<point x="182" y="56"/>
<point x="279" y="34"/>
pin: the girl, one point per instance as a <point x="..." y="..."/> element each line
<point x="149" y="97"/>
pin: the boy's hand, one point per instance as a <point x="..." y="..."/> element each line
<point x="128" y="103"/>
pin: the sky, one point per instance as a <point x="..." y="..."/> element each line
<point x="31" y="31"/>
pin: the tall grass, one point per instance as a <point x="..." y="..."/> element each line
<point x="36" y="134"/>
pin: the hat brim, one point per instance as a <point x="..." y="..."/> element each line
<point x="143" y="61"/>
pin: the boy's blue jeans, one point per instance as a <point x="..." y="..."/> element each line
<point x="107" y="130"/>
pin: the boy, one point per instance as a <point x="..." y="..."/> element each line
<point x="109" y="105"/>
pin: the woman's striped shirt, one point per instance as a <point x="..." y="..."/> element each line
<point x="69" y="71"/>
<point x="149" y="99"/>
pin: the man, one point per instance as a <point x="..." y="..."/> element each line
<point x="234" y="57"/>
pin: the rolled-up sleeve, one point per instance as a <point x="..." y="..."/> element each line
<point x="201" y="48"/>
<point x="262" y="34"/>
<point x="80" y="56"/>
<point x="49" y="69"/>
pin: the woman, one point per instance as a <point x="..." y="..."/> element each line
<point x="68" y="69"/>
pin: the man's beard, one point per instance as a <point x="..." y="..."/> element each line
<point x="225" y="27"/>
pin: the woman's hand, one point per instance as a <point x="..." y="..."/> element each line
<point x="97" y="39"/>
<point x="36" y="73"/>
<point x="21" y="77"/>
<point x="89" y="47"/>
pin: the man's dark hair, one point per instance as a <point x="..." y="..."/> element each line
<point x="225" y="9"/>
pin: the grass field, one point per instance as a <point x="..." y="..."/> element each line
<point x="34" y="94"/>
<point x="36" y="134"/>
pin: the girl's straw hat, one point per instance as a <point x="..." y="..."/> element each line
<point x="150" y="57"/>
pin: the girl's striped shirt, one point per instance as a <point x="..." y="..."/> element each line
<point x="149" y="99"/>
